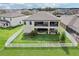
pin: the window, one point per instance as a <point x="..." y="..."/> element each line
<point x="20" y="22"/>
<point x="6" y="24"/>
<point x="10" y="19"/>
<point x="53" y="23"/>
<point x="30" y="23"/>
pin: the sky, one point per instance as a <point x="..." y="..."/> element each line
<point x="37" y="5"/>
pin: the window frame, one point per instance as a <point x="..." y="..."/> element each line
<point x="30" y="22"/>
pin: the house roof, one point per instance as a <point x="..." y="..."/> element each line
<point x="4" y="21"/>
<point x="42" y="16"/>
<point x="75" y="26"/>
<point x="71" y="21"/>
<point x="11" y="14"/>
<point x="66" y="19"/>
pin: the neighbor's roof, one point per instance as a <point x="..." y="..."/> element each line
<point x="66" y="19"/>
<point x="4" y="21"/>
<point x="42" y="16"/>
<point x="11" y="14"/>
<point x="73" y="19"/>
<point x="75" y="26"/>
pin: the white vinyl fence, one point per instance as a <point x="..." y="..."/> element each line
<point x="8" y="42"/>
<point x="43" y="44"/>
<point x="74" y="43"/>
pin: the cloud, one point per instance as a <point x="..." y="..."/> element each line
<point x="37" y="5"/>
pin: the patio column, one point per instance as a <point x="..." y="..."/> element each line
<point x="48" y="31"/>
<point x="48" y="27"/>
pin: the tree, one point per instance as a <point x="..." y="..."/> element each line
<point x="33" y="33"/>
<point x="27" y="13"/>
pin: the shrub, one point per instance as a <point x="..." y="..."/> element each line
<point x="62" y="37"/>
<point x="33" y="33"/>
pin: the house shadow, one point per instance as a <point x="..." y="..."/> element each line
<point x="66" y="50"/>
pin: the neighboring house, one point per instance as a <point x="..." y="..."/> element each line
<point x="42" y="22"/>
<point x="4" y="23"/>
<point x="11" y="19"/>
<point x="70" y="23"/>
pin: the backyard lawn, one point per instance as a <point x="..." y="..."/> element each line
<point x="40" y="38"/>
<point x="5" y="33"/>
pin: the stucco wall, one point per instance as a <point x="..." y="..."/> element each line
<point x="1" y="24"/>
<point x="17" y="20"/>
<point x="14" y="21"/>
<point x="28" y="28"/>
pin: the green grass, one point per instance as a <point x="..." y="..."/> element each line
<point x="5" y="33"/>
<point x="40" y="38"/>
<point x="33" y="51"/>
<point x="39" y="52"/>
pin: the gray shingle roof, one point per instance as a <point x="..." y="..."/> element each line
<point x="66" y="19"/>
<point x="11" y="15"/>
<point x="42" y="16"/>
<point x="4" y="21"/>
<point x="73" y="19"/>
<point x="75" y="26"/>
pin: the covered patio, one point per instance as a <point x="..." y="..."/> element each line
<point x="46" y="30"/>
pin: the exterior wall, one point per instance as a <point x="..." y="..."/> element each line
<point x="4" y="25"/>
<point x="1" y="24"/>
<point x="28" y="28"/>
<point x="7" y="19"/>
<point x="15" y="20"/>
<point x="63" y="25"/>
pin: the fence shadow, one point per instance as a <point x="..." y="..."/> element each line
<point x="66" y="50"/>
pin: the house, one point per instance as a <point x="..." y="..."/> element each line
<point x="70" y="23"/>
<point x="4" y="23"/>
<point x="42" y="22"/>
<point x="11" y="19"/>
